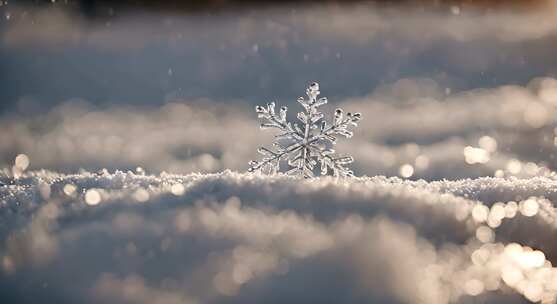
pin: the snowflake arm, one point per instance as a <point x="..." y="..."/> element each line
<point x="271" y="159"/>
<point x="339" y="127"/>
<point x="336" y="164"/>
<point x="277" y="121"/>
<point x="305" y="145"/>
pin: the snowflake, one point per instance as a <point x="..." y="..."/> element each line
<point x="305" y="145"/>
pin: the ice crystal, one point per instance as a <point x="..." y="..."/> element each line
<point x="306" y="145"/>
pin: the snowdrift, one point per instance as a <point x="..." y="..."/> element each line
<point x="240" y="238"/>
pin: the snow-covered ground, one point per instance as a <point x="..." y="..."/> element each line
<point x="241" y="238"/>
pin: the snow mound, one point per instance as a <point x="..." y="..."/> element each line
<point x="241" y="238"/>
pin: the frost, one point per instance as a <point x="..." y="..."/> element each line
<point x="306" y="145"/>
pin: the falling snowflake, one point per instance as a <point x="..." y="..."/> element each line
<point x="305" y="145"/>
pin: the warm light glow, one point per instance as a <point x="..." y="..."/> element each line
<point x="141" y="195"/>
<point x="69" y="189"/>
<point x="22" y="161"/>
<point x="484" y="234"/>
<point x="92" y="197"/>
<point x="529" y="207"/>
<point x="511" y="275"/>
<point x="514" y="166"/>
<point x="406" y="170"/>
<point x="511" y="208"/>
<point x="476" y="155"/>
<point x="480" y="213"/>
<point x="532" y="259"/>
<point x="178" y="189"/>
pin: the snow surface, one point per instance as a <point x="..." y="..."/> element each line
<point x="244" y="238"/>
<point x="473" y="220"/>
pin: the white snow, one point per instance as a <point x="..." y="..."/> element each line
<point x="235" y="238"/>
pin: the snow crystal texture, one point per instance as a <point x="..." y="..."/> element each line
<point x="243" y="238"/>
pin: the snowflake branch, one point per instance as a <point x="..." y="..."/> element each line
<point x="337" y="164"/>
<point x="275" y="121"/>
<point x="273" y="157"/>
<point x="340" y="127"/>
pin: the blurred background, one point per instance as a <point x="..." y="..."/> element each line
<point x="448" y="89"/>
